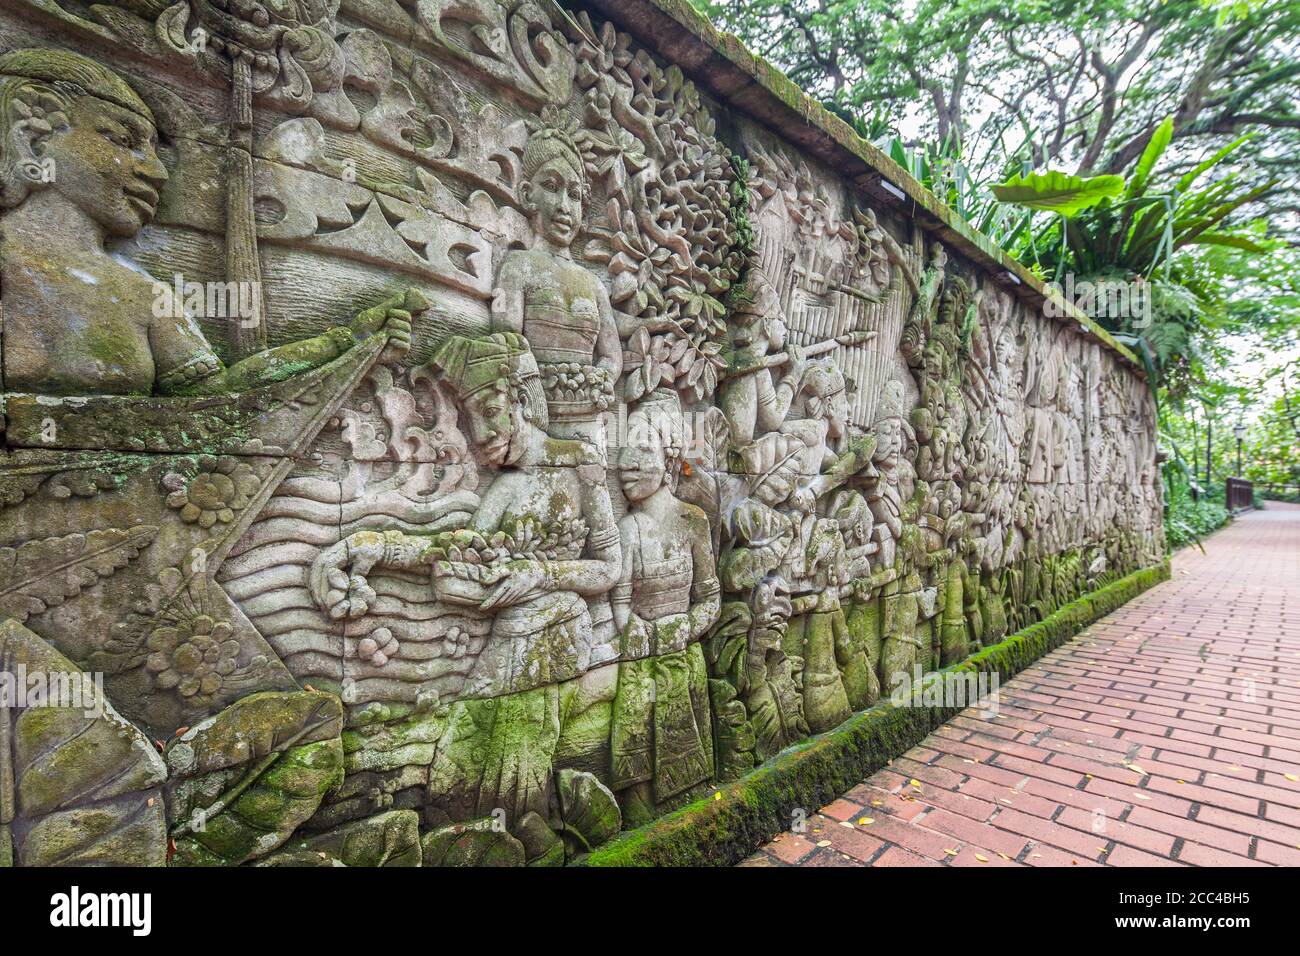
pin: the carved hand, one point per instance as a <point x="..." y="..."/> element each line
<point x="522" y="578"/>
<point x="391" y="318"/>
<point x="797" y="365"/>
<point x="346" y="593"/>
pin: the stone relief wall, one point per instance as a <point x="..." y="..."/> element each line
<point x="445" y="435"/>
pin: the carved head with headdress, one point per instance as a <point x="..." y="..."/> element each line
<point x="553" y="188"/>
<point x="75" y="129"/>
<point x="495" y="380"/>
<point x="895" y="438"/>
<point x="825" y="394"/>
<point x="654" y="449"/>
<point x="755" y="313"/>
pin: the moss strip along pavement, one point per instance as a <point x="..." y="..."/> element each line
<point x="726" y="826"/>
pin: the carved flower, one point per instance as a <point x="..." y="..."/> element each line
<point x="193" y="656"/>
<point x="223" y="486"/>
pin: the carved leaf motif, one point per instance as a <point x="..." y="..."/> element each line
<point x="517" y="49"/>
<point x="45" y="573"/>
<point x="245" y="779"/>
<point x="75" y="778"/>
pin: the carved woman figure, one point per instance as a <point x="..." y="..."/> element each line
<point x="79" y="166"/>
<point x="667" y="597"/>
<point x="560" y="307"/>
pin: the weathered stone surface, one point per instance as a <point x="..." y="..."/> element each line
<point x="78" y="783"/>
<point x="476" y="843"/>
<point x="386" y="839"/>
<point x="458" y="449"/>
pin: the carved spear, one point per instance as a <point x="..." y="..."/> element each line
<point x="248" y="335"/>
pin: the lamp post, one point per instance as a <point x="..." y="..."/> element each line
<point x="1240" y="431"/>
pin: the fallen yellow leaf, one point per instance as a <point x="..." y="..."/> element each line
<point x="981" y="858"/>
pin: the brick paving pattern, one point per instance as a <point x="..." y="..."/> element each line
<point x="1166" y="734"/>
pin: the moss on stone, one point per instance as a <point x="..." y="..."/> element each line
<point x="727" y="825"/>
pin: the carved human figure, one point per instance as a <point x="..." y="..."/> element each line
<point x="773" y="695"/>
<point x="837" y="676"/>
<point x="547" y="518"/>
<point x="548" y="496"/>
<point x="79" y="167"/>
<point x="667" y="597"/>
<point x="1045" y="387"/>
<point x="752" y="404"/>
<point x="559" y="306"/>
<point x="893" y="479"/>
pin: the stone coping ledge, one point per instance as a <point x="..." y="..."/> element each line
<point x="723" y="66"/>
<point x="733" y="821"/>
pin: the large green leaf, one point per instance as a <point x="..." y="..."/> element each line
<point x="1058" y="192"/>
<point x="1155" y="148"/>
<point x="1233" y="240"/>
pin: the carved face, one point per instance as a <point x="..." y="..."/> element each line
<point x="889" y="441"/>
<point x="772" y="607"/>
<point x="642" y="465"/>
<point x="837" y="414"/>
<point x="494" y="422"/>
<point x="106" y="165"/>
<point x="554" y="196"/>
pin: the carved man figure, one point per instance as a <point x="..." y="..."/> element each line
<point x="561" y="308"/>
<point x="748" y="398"/>
<point x="78" y="166"/>
<point x="547" y="524"/>
<point x="667" y="597"/>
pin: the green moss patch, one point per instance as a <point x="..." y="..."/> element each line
<point x="729" y="824"/>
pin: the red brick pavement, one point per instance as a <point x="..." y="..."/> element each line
<point x="1166" y="734"/>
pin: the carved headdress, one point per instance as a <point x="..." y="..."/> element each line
<point x="502" y="361"/>
<point x="549" y="138"/>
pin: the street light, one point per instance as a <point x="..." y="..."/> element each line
<point x="1240" y="431"/>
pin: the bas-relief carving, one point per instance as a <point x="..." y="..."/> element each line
<point x="575" y="458"/>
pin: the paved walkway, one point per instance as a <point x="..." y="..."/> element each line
<point x="1167" y="733"/>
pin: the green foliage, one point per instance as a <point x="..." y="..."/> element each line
<point x="1139" y="233"/>
<point x="1058" y="192"/>
<point x="1188" y="521"/>
<point x="1078" y="85"/>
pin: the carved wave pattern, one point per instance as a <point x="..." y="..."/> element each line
<point x="267" y="574"/>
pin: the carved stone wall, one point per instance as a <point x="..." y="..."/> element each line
<point x="441" y="431"/>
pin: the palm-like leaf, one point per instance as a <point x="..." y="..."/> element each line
<point x="1058" y="192"/>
